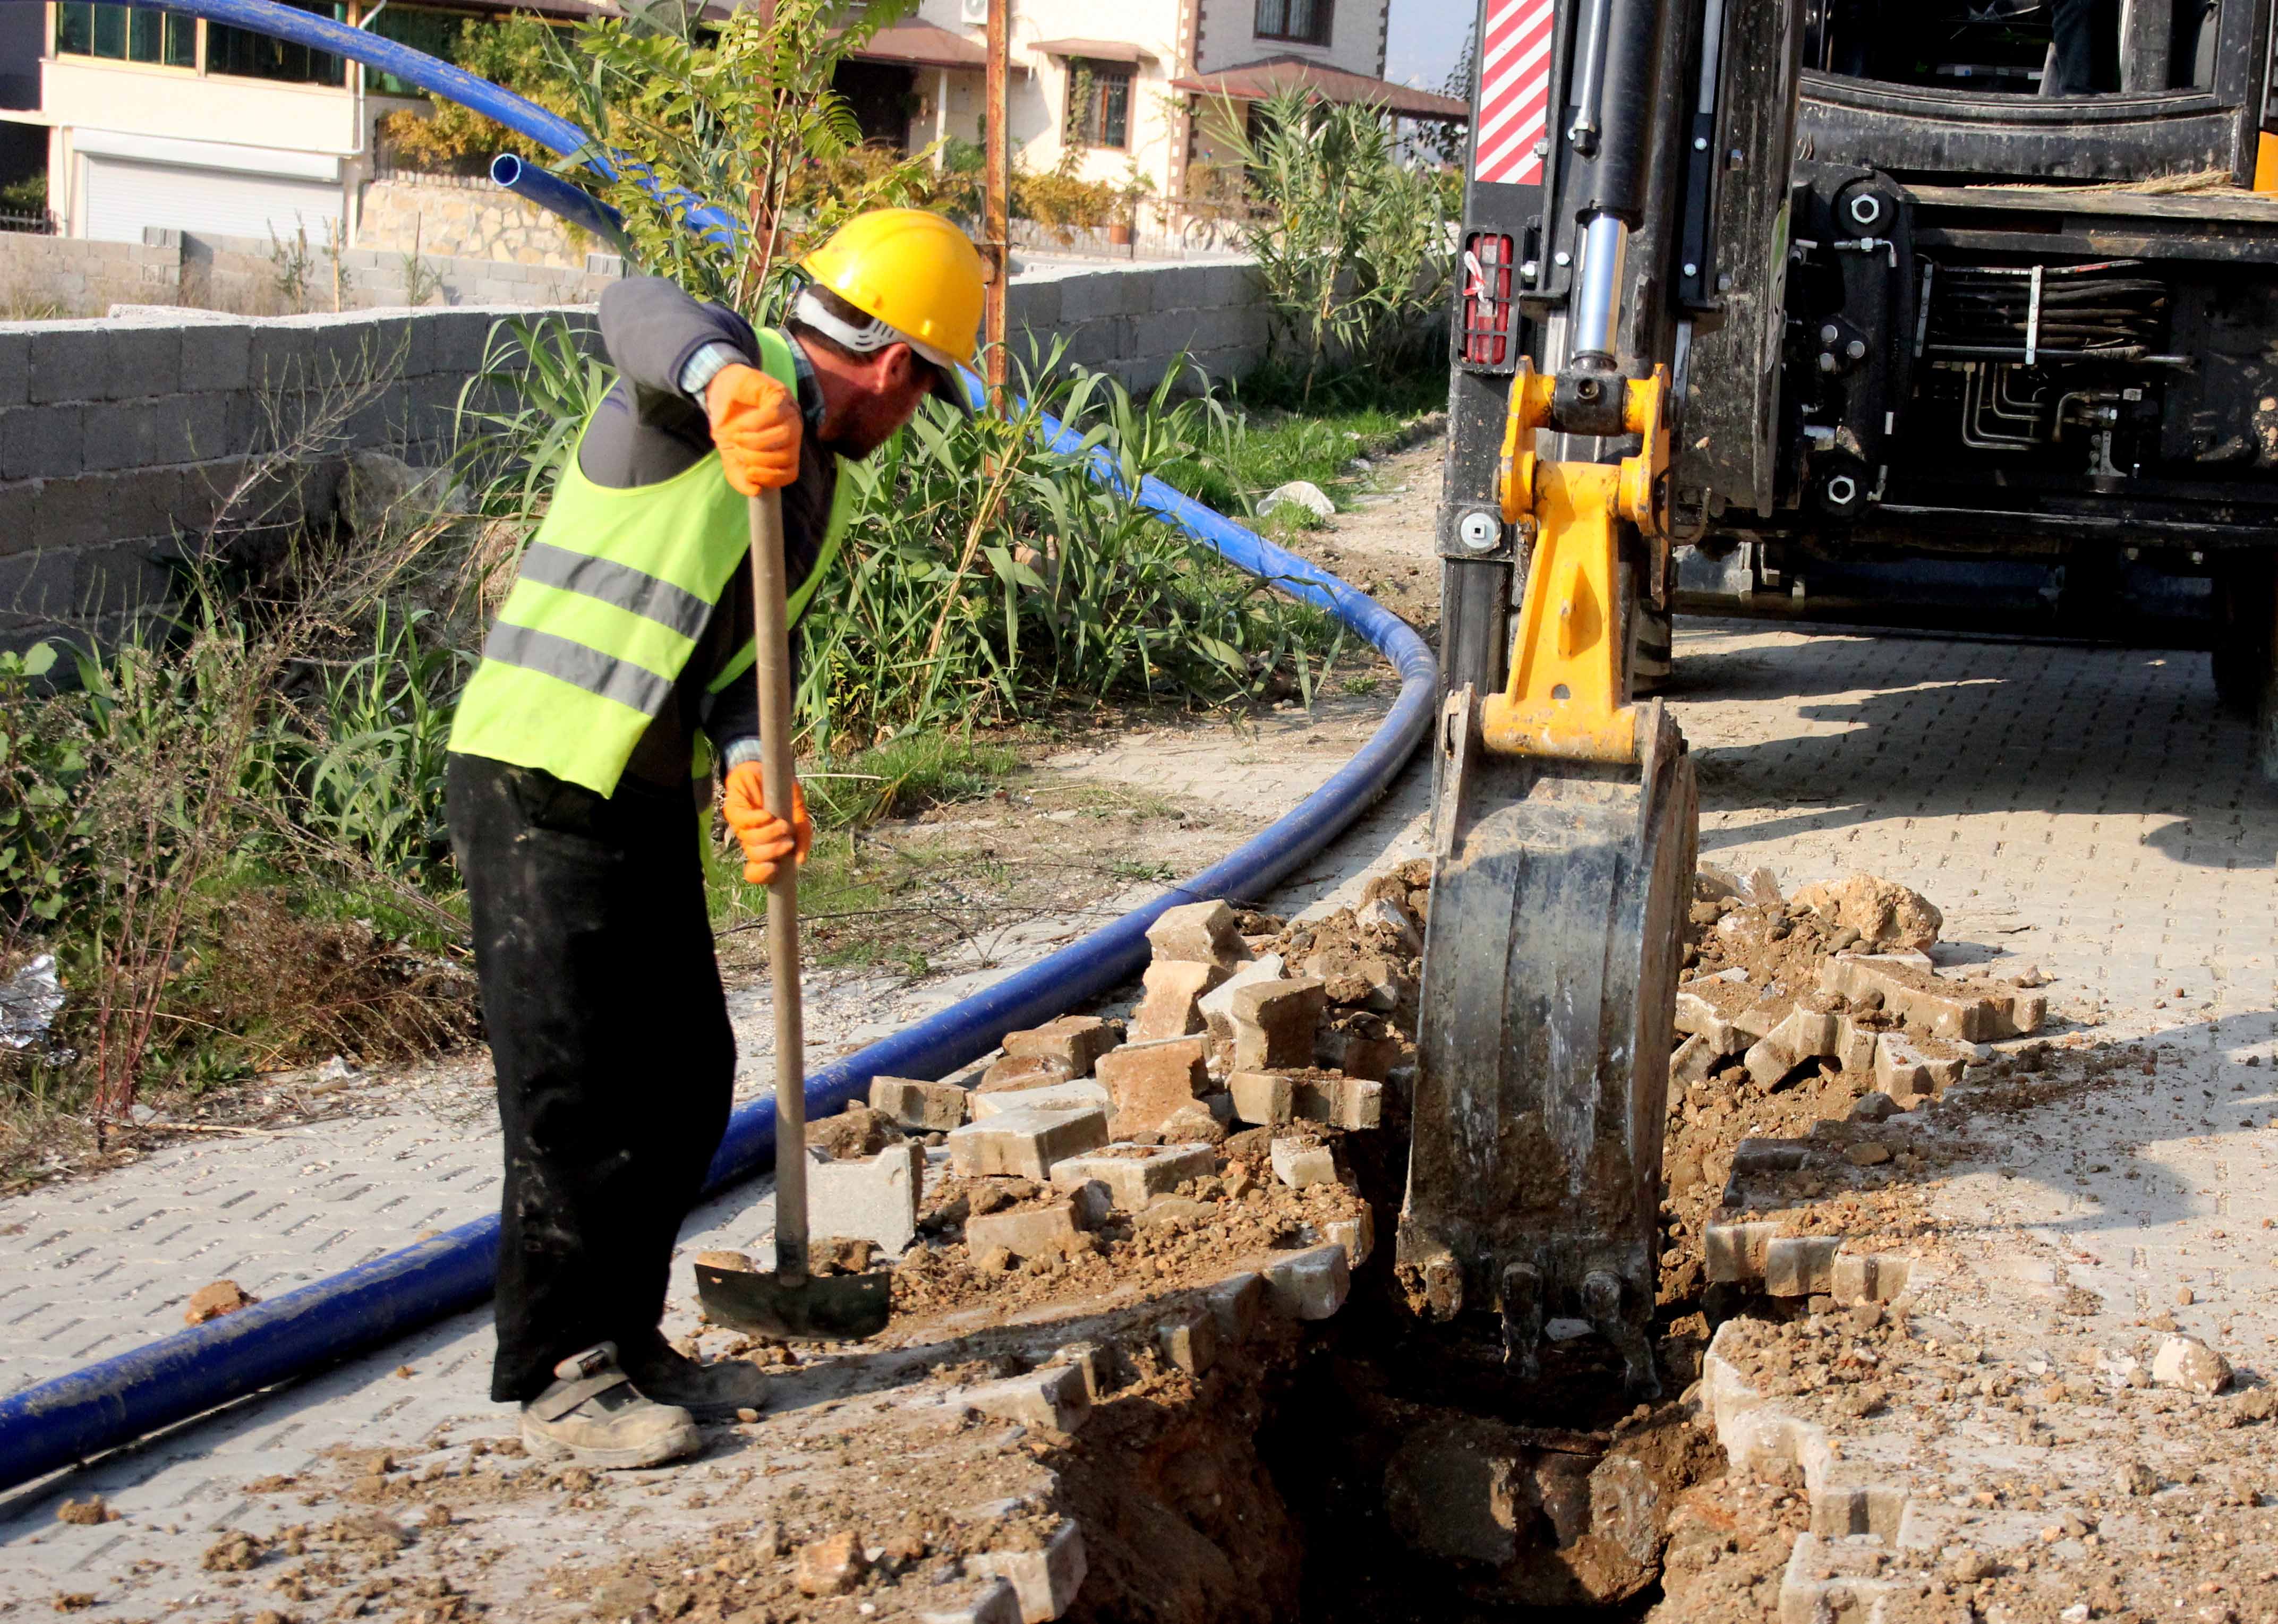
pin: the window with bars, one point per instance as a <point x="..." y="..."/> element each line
<point x="248" y="54"/>
<point x="1099" y="102"/>
<point x="1304" y="22"/>
<point x="125" y="33"/>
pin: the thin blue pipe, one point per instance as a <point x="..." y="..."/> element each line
<point x="59" y="1421"/>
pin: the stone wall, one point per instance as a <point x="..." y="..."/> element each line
<point x="123" y="442"/>
<point x="70" y="276"/>
<point x="466" y="218"/>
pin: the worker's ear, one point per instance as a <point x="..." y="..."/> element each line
<point x="905" y="372"/>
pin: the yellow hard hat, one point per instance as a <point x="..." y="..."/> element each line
<point x="912" y="270"/>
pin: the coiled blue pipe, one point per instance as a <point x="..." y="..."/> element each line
<point x="112" y="1402"/>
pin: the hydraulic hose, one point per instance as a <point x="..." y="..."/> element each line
<point x="64" y="1420"/>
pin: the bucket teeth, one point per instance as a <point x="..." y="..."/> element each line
<point x="1602" y="1300"/>
<point x="1521" y="1287"/>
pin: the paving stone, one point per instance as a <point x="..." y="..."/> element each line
<point x="925" y="1108"/>
<point x="1187" y="1341"/>
<point x="1357" y="1235"/>
<point x="1031" y="1231"/>
<point x="1046" y="1581"/>
<point x="1053" y="1397"/>
<point x="1297" y="1164"/>
<point x="1025" y="1144"/>
<point x="1273" y="1024"/>
<point x="1174" y="987"/>
<point x="1266" y="1098"/>
<point x="1015" y="1072"/>
<point x="872" y="1198"/>
<point x="1081" y="1093"/>
<point x="1800" y="1265"/>
<point x="1868" y="1277"/>
<point x="1200" y="933"/>
<point x="1800" y="1035"/>
<point x="994" y="1601"/>
<point x="1311" y="1285"/>
<point x="1078" y="1041"/>
<point x="1151" y="1082"/>
<point x="1136" y="1175"/>
<point x="1216" y="1005"/>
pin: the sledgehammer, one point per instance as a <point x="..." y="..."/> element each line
<point x="791" y="1303"/>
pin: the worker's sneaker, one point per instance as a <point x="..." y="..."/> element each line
<point x="709" y="1393"/>
<point x="595" y="1416"/>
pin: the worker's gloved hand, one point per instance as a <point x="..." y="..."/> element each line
<point x="767" y="838"/>
<point x="755" y="424"/>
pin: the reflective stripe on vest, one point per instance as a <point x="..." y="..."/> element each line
<point x="609" y="601"/>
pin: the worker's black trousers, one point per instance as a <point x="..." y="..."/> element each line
<point x="609" y="1034"/>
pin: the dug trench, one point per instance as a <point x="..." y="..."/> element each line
<point x="1176" y="1379"/>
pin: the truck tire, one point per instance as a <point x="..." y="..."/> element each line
<point x="2246" y="604"/>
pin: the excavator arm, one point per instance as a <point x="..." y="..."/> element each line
<point x="1601" y="203"/>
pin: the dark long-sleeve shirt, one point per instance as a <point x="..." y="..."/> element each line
<point x="647" y="430"/>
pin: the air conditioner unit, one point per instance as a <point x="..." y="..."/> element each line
<point x="973" y="11"/>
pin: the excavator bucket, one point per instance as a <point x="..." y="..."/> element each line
<point x="1559" y="892"/>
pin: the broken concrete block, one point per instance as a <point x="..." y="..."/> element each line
<point x="994" y="1601"/>
<point x="1080" y="1094"/>
<point x="1216" y="1005"/>
<point x="1800" y="1265"/>
<point x="1045" y="1581"/>
<point x="1972" y="1012"/>
<point x="920" y="1107"/>
<point x="1387" y="914"/>
<point x="1696" y="1015"/>
<point x="1199" y="933"/>
<point x="1298" y="1164"/>
<point x="1187" y="1341"/>
<point x="1168" y="1011"/>
<point x="1030" y="1232"/>
<point x="1273" y="1024"/>
<point x="1266" y="1098"/>
<point x="1311" y="1285"/>
<point x="1015" y="1072"/>
<point x="874" y="1199"/>
<point x="1093" y="1200"/>
<point x="1803" y="1035"/>
<point x="1053" y="1397"/>
<point x="1754" y="1023"/>
<point x="1166" y="1210"/>
<point x="1357" y="1235"/>
<point x="1868" y="1277"/>
<point x="1025" y="1144"/>
<point x="1096" y="1363"/>
<point x="1135" y="1175"/>
<point x="2191" y="1364"/>
<point x="1078" y="1041"/>
<point x="1237" y="1303"/>
<point x="1885" y="913"/>
<point x="1151" y="1082"/>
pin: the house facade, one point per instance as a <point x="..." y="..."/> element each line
<point x="152" y="119"/>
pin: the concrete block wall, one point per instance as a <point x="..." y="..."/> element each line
<point x="121" y="441"/>
<point x="72" y="275"/>
<point x="1133" y="321"/>
<point x="125" y="443"/>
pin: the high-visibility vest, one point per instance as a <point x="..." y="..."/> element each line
<point x="610" y="597"/>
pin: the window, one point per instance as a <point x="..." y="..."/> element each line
<point x="1099" y="102"/>
<point x="436" y="33"/>
<point x="125" y="33"/>
<point x="1305" y="21"/>
<point x="260" y="55"/>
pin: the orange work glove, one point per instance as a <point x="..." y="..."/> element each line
<point x="755" y="424"/>
<point x="767" y="838"/>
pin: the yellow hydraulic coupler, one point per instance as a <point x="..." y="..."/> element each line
<point x="1565" y="697"/>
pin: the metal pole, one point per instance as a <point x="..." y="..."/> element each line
<point x="997" y="183"/>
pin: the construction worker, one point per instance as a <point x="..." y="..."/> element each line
<point x="627" y="633"/>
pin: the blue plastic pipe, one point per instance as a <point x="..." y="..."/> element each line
<point x="65" y="1420"/>
<point x="550" y="191"/>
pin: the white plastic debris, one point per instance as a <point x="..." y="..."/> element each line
<point x="30" y="1000"/>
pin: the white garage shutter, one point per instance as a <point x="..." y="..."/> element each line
<point x="124" y="196"/>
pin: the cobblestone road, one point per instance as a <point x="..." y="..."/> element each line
<point x="2083" y="808"/>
